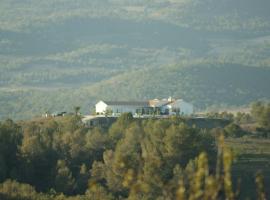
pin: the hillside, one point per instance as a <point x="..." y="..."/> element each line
<point x="134" y="158"/>
<point x="57" y="55"/>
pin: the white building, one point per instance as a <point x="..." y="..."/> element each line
<point x="160" y="107"/>
<point x="118" y="107"/>
<point x="181" y="107"/>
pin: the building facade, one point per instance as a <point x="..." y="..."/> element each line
<point x="159" y="107"/>
<point x="119" y="107"/>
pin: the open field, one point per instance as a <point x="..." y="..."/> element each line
<point x="252" y="156"/>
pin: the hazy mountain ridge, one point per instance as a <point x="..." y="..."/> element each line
<point x="240" y="13"/>
<point x="54" y="55"/>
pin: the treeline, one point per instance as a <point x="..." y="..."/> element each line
<point x="186" y="12"/>
<point x="59" y="158"/>
<point x="62" y="156"/>
<point x="261" y="113"/>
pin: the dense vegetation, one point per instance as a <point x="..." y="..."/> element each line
<point x="59" y="158"/>
<point x="56" y="55"/>
<point x="58" y="155"/>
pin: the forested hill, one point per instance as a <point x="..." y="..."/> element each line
<point x="55" y="55"/>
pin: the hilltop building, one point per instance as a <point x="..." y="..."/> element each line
<point x="168" y="106"/>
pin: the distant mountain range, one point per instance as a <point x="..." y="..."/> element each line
<point x="55" y="55"/>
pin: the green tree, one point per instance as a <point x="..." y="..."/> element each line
<point x="257" y="109"/>
<point x="10" y="140"/>
<point x="233" y="130"/>
<point x="77" y="110"/>
<point x="82" y="180"/>
<point x="97" y="191"/>
<point x="38" y="158"/>
<point x="261" y="112"/>
<point x="117" y="129"/>
<point x="64" y="182"/>
<point x="12" y="190"/>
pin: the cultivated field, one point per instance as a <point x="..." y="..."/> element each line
<point x="251" y="156"/>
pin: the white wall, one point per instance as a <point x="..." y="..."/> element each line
<point x="185" y="108"/>
<point x="101" y="107"/>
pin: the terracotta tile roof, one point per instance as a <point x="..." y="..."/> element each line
<point x="158" y="103"/>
